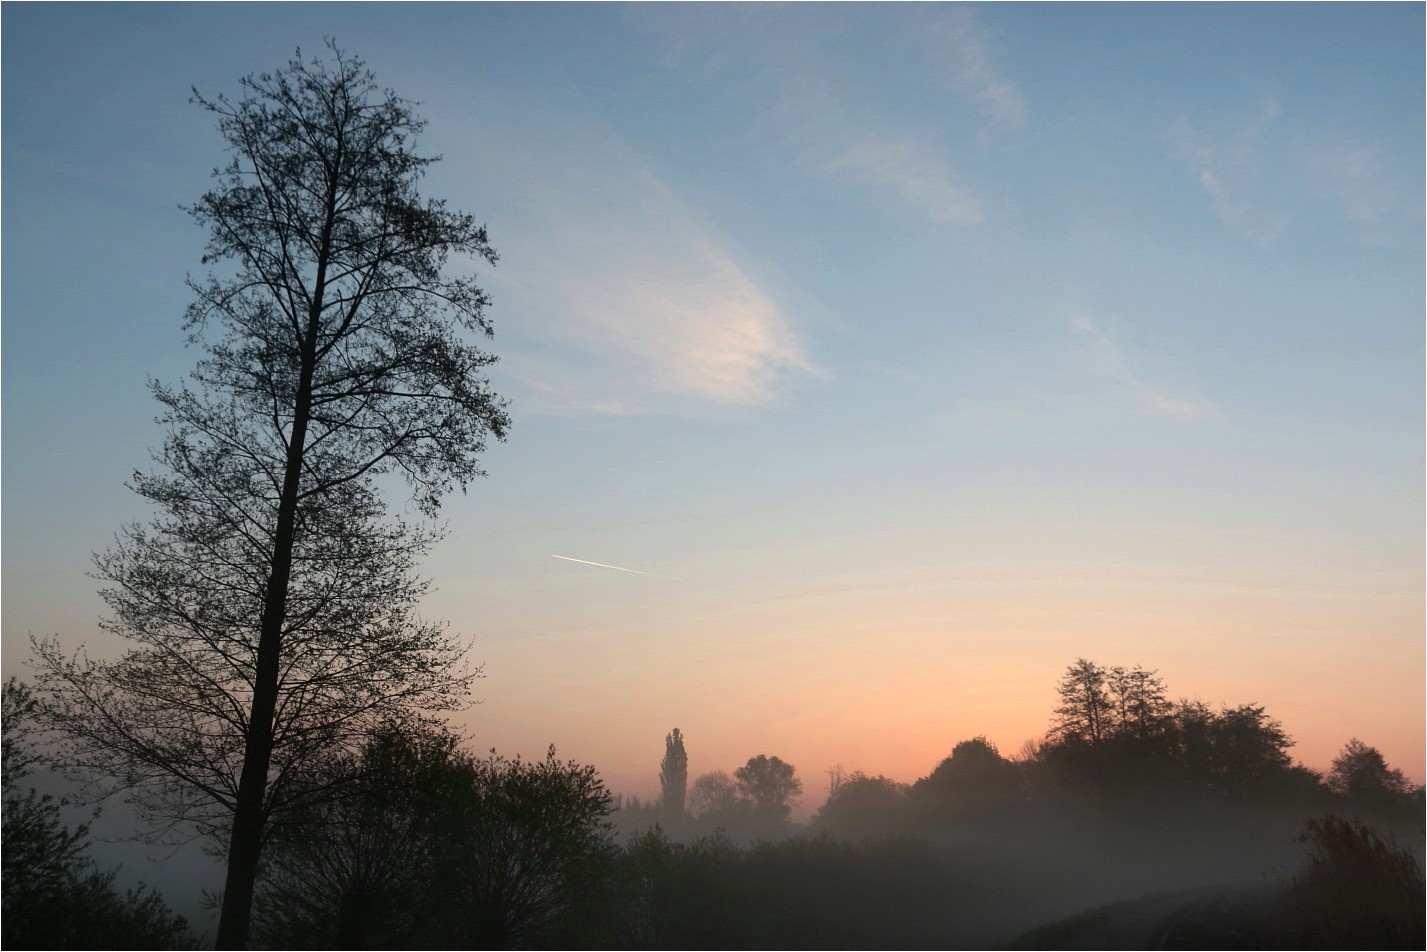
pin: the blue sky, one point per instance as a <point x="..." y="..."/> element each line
<point x="923" y="348"/>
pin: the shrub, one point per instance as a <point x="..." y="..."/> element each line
<point x="1355" y="891"/>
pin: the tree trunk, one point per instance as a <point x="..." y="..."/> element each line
<point x="246" y="842"/>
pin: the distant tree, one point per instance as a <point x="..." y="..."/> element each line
<point x="771" y="785"/>
<point x="1249" y="749"/>
<point x="1192" y="741"/>
<point x="1139" y="706"/>
<point x="53" y="897"/>
<point x="1085" y="713"/>
<point x="629" y="815"/>
<point x="714" y="796"/>
<point x="1361" y="772"/>
<point x="859" y="805"/>
<point x="973" y="781"/>
<point x="674" y="775"/>
<point x="271" y="599"/>
<point x="1116" y="735"/>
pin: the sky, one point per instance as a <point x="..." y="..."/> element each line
<point x="913" y="351"/>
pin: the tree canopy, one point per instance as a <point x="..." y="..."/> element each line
<point x="1361" y="772"/>
<point x="771" y="785"/>
<point x="424" y="845"/>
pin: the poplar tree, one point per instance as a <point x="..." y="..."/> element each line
<point x="674" y="775"/>
<point x="271" y="602"/>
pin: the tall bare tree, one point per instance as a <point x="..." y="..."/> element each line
<point x="272" y="600"/>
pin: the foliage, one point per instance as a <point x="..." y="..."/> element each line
<point x="526" y="852"/>
<point x="167" y="721"/>
<point x="674" y="776"/>
<point x="1361" y="773"/>
<point x="859" y="805"/>
<point x="973" y="782"/>
<point x="348" y="870"/>
<point x="53" y="897"/>
<point x="429" y="847"/>
<point x="1098" y="703"/>
<point x="771" y="785"/>
<point x="1355" y="891"/>
<point x="715" y="797"/>
<point x="1248" y="749"/>
<point x="273" y="598"/>
<point x="1084" y="711"/>
<point x="803" y="893"/>
<point x="1116" y="736"/>
<point x="1138" y="704"/>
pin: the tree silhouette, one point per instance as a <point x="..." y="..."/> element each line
<point x="861" y="805"/>
<point x="427" y="847"/>
<point x="715" y="797"/>
<point x="974" y="781"/>
<point x="1085" y="710"/>
<point x="53" y="897"/>
<point x="1249" y="748"/>
<point x="1139" y="706"/>
<point x="351" y="868"/>
<point x="1361" y="772"/>
<point x="272" y="598"/>
<point x="524" y="856"/>
<point x="674" y="775"/>
<point x="771" y="785"/>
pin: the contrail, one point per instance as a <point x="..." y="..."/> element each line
<point x="604" y="566"/>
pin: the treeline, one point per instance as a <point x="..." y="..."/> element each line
<point x="1129" y="792"/>
<point x="1117" y="744"/>
<point x="415" y="842"/>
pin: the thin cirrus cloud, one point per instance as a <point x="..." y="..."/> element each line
<point x="838" y="116"/>
<point x="631" y="303"/>
<point x="1108" y="361"/>
<point x="913" y="169"/>
<point x="1351" y="175"/>
<point x="1228" y="164"/>
<point x="1262" y="175"/>
<point x="1364" y="186"/>
<point x="961" y="49"/>
<point x="914" y="175"/>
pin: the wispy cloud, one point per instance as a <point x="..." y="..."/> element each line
<point x="630" y="302"/>
<point x="1352" y="174"/>
<point x="1227" y="164"/>
<point x="1262" y="175"/>
<point x="836" y="118"/>
<point x="917" y="177"/>
<point x="1363" y="185"/>
<point x="961" y="49"/>
<point x="686" y="312"/>
<point x="1108" y="361"/>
